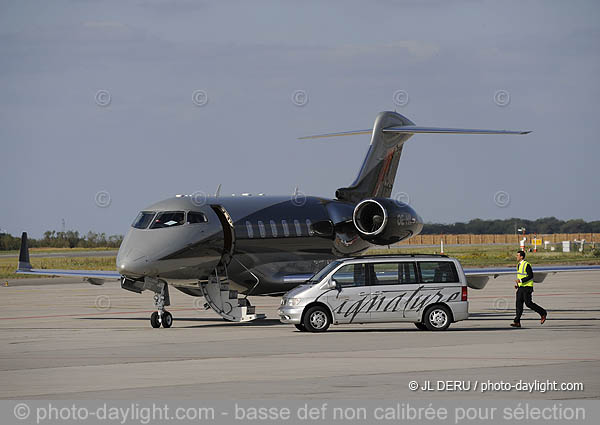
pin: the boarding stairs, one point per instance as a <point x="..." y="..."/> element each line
<point x="226" y="302"/>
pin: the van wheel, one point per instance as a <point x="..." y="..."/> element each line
<point x="437" y="318"/>
<point x="421" y="326"/>
<point x="300" y="327"/>
<point x="316" y="319"/>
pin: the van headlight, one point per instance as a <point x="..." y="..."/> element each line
<point x="291" y="302"/>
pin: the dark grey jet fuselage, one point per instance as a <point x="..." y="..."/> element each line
<point x="281" y="241"/>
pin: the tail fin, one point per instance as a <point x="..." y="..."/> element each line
<point x="378" y="171"/>
<point x="24" y="263"/>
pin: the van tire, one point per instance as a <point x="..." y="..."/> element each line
<point x="421" y="326"/>
<point x="316" y="319"/>
<point x="437" y="318"/>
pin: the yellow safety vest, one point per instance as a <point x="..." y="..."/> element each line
<point x="522" y="273"/>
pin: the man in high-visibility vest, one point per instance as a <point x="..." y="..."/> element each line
<point x="524" y="287"/>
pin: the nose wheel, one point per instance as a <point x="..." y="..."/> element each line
<point x="161" y="316"/>
<point x="166" y="319"/>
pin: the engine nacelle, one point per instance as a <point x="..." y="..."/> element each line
<point x="384" y="221"/>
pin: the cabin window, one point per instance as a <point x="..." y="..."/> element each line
<point x="143" y="219"/>
<point x="309" y="227"/>
<point x="261" y="228"/>
<point x="168" y="219"/>
<point x="250" y="230"/>
<point x="194" y="217"/>
<point x="273" y="228"/>
<point x="286" y="230"/>
<point x="298" y="228"/>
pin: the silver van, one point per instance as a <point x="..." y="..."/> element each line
<point x="428" y="290"/>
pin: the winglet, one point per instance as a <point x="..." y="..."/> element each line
<point x="24" y="263"/>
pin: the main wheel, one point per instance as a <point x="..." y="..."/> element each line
<point x="154" y="320"/>
<point x="316" y="319"/>
<point x="300" y="327"/>
<point x="167" y="319"/>
<point x="437" y="318"/>
<point x="421" y="326"/>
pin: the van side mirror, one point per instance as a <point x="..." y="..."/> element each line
<point x="336" y="284"/>
<point x="333" y="284"/>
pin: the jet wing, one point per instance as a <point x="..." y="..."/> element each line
<point x="98" y="274"/>
<point x="95" y="277"/>
<point x="478" y="278"/>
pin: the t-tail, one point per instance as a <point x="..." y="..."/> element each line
<point x="378" y="171"/>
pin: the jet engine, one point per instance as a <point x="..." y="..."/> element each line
<point x="384" y="221"/>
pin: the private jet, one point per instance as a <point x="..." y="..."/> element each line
<point x="227" y="248"/>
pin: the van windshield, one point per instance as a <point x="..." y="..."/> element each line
<point x="323" y="272"/>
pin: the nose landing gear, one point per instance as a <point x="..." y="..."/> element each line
<point x="161" y="316"/>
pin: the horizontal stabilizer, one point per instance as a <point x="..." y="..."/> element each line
<point x="343" y="133"/>
<point x="413" y="129"/>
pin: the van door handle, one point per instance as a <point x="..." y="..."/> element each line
<point x="363" y="293"/>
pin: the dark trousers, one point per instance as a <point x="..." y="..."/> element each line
<point x="524" y="296"/>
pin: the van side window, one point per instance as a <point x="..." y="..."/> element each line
<point x="351" y="275"/>
<point x="392" y="273"/>
<point x="407" y="273"/>
<point x="438" y="272"/>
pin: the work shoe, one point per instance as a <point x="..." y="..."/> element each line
<point x="515" y="324"/>
<point x="543" y="319"/>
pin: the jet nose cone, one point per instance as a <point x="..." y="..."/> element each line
<point x="134" y="263"/>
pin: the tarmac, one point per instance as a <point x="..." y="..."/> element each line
<point x="65" y="339"/>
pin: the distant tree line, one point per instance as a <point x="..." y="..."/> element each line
<point x="68" y="239"/>
<point x="546" y="225"/>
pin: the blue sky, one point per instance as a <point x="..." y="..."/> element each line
<point x="59" y="147"/>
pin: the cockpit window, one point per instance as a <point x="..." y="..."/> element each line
<point x="143" y="219"/>
<point x="196" y="217"/>
<point x="168" y="219"/>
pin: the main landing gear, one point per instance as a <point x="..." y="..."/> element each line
<point x="161" y="316"/>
